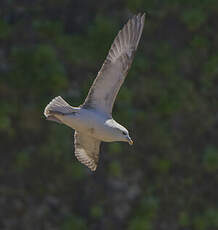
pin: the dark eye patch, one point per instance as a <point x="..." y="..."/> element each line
<point x="124" y="133"/>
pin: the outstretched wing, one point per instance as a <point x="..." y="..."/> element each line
<point x="104" y="90"/>
<point x="87" y="149"/>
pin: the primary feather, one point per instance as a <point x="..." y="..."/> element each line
<point x="87" y="149"/>
<point x="106" y="86"/>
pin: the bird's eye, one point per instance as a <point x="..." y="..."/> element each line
<point x="124" y="133"/>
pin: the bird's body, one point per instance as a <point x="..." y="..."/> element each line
<point x="93" y="120"/>
<point x="94" y="123"/>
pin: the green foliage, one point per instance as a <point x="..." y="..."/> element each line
<point x="97" y="211"/>
<point x="194" y="18"/>
<point x="115" y="148"/>
<point x="48" y="29"/>
<point x="74" y="222"/>
<point x="115" y="169"/>
<point x="184" y="219"/>
<point x="5" y="123"/>
<point x="135" y="5"/>
<point x="98" y="37"/>
<point x="5" y="29"/>
<point x="23" y="161"/>
<point x="5" y="118"/>
<point x="210" y="73"/>
<point x="101" y="33"/>
<point x="140" y="223"/>
<point x="47" y="73"/>
<point x="145" y="214"/>
<point x="168" y="103"/>
<point x="207" y="220"/>
<point x="162" y="165"/>
<point x="210" y="159"/>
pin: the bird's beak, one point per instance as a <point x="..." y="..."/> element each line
<point x="130" y="141"/>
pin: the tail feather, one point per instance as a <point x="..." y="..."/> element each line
<point x="57" y="105"/>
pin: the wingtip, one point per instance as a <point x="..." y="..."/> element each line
<point x="93" y="169"/>
<point x="138" y="17"/>
<point x="142" y="16"/>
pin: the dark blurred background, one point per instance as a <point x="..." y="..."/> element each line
<point x="168" y="180"/>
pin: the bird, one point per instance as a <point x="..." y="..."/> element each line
<point x="92" y="120"/>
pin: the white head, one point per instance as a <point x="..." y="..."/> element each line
<point x="120" y="133"/>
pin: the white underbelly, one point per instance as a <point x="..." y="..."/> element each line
<point x="89" y="123"/>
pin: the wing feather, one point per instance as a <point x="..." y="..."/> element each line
<point x="106" y="86"/>
<point x="87" y="149"/>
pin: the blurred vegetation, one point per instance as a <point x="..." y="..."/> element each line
<point x="169" y="178"/>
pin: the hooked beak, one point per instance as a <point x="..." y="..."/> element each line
<point x="130" y="141"/>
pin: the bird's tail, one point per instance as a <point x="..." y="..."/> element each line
<point x="57" y="106"/>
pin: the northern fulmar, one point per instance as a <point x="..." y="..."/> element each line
<point x="93" y="121"/>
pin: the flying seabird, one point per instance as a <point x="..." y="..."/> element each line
<point x="93" y="121"/>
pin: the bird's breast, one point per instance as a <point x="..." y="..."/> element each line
<point x="94" y="124"/>
<point x="89" y="122"/>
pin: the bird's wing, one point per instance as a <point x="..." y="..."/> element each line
<point x="87" y="149"/>
<point x="104" y="90"/>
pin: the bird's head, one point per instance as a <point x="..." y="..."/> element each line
<point x="125" y="136"/>
<point x="119" y="132"/>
